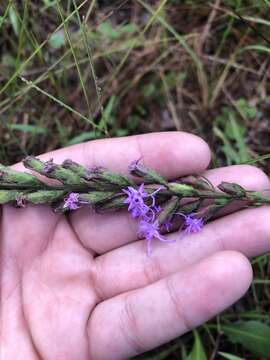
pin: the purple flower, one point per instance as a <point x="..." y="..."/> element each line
<point x="192" y="223"/>
<point x="150" y="230"/>
<point x="136" y="205"/>
<point x="135" y="194"/>
<point x="72" y="202"/>
<point x="148" y="226"/>
<point x="49" y="165"/>
<point x="135" y="201"/>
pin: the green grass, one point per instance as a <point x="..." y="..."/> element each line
<point x="75" y="70"/>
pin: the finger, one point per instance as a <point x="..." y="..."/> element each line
<point x="162" y="151"/>
<point x="115" y="230"/>
<point x="140" y="320"/>
<point x="247" y="231"/>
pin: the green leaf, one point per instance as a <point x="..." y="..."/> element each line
<point x="149" y="90"/>
<point x="88" y="135"/>
<point x="107" y="30"/>
<point x="197" y="352"/>
<point x="121" y="132"/>
<point x="8" y="60"/>
<point x="237" y="132"/>
<point x="129" y="44"/>
<point x="14" y="20"/>
<point x="252" y="335"/>
<point x="48" y="2"/>
<point x="259" y="48"/>
<point x="234" y="129"/>
<point x="27" y="128"/>
<point x="2" y="19"/>
<point x="246" y="109"/>
<point x="57" y="40"/>
<point x="231" y="154"/>
<point x="107" y="114"/>
<point x="230" y="356"/>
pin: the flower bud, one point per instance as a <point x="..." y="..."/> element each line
<point x="182" y="189"/>
<point x="168" y="210"/>
<point x="213" y="209"/>
<point x="10" y="176"/>
<point x="106" y="176"/>
<point x="49" y="166"/>
<point x="191" y="207"/>
<point x="44" y="196"/>
<point x="197" y="182"/>
<point x="95" y="197"/>
<point x="8" y="195"/>
<point x="76" y="168"/>
<point x="232" y="189"/>
<point x="149" y="176"/>
<point x="56" y="172"/>
<point x="116" y="203"/>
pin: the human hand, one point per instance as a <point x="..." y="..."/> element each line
<point x="83" y="287"/>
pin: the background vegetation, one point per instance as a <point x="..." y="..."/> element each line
<point x="76" y="70"/>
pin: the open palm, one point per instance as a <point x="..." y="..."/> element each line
<point x="83" y="287"/>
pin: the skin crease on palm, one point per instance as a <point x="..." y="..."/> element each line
<point x="83" y="287"/>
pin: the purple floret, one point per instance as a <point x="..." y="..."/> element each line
<point x="149" y="227"/>
<point x="192" y="223"/>
<point x="135" y="201"/>
<point x="72" y="202"/>
<point x="49" y="165"/>
<point x="151" y="231"/>
<point x="136" y="205"/>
